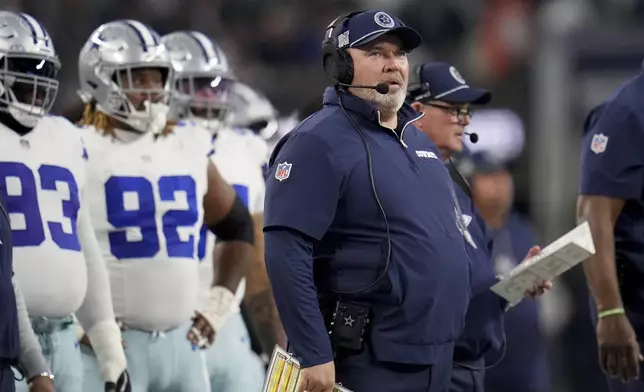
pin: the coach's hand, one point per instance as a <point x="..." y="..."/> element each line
<point x="319" y="378"/>
<point x="41" y="384"/>
<point x="541" y="287"/>
<point x="201" y="334"/>
<point x="619" y="352"/>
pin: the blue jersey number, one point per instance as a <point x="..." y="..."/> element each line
<point x="141" y="214"/>
<point x="25" y="204"/>
<point x="242" y="192"/>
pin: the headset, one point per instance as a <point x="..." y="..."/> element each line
<point x="338" y="65"/>
<point x="417" y="89"/>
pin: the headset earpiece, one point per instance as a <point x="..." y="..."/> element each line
<point x="337" y="63"/>
<point x="416" y="87"/>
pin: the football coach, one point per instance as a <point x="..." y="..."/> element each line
<point x="367" y="263"/>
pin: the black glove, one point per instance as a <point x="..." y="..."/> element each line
<point x="122" y="384"/>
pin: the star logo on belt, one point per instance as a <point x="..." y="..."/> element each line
<point x="348" y="321"/>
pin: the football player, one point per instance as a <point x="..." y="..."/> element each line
<point x="43" y="178"/>
<point x="252" y="110"/>
<point x="153" y="187"/>
<point x="203" y="84"/>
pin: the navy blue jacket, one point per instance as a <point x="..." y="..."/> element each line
<point x="612" y="165"/>
<point x="9" y="337"/>
<point x="483" y="322"/>
<point x="524" y="366"/>
<point x="324" y="231"/>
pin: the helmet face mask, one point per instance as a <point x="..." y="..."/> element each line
<point x="203" y="79"/>
<point x="138" y="85"/>
<point x="28" y="69"/>
<point x="126" y="71"/>
<point x="204" y="99"/>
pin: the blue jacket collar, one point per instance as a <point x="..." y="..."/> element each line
<point x="406" y="114"/>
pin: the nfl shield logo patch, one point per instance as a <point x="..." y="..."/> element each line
<point x="598" y="144"/>
<point x="283" y="171"/>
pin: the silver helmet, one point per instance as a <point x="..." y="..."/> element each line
<point x="251" y="109"/>
<point x="106" y="65"/>
<point x="28" y="68"/>
<point x="203" y="79"/>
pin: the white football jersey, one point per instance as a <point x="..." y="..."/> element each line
<point x="146" y="200"/>
<point x="239" y="156"/>
<point x="43" y="180"/>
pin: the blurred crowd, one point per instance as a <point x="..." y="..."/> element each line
<point x="546" y="62"/>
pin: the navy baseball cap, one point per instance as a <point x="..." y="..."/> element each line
<point x="442" y="82"/>
<point x="366" y="26"/>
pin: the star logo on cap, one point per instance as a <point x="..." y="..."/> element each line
<point x="456" y="75"/>
<point x="384" y="20"/>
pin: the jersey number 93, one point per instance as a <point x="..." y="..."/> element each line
<point x="21" y="194"/>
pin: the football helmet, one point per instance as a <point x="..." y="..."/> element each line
<point x="203" y="79"/>
<point x="107" y="67"/>
<point x="251" y="109"/>
<point x="28" y="68"/>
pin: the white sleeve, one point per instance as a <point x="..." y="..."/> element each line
<point x="97" y="305"/>
<point x="31" y="357"/>
<point x="258" y="207"/>
<point x="201" y="141"/>
<point x="96" y="314"/>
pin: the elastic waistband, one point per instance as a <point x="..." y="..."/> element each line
<point x="44" y="325"/>
<point x="126" y="327"/>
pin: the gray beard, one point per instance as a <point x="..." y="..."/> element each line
<point x="390" y="102"/>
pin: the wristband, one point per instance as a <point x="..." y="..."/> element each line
<point x="43" y="374"/>
<point x="611" y="312"/>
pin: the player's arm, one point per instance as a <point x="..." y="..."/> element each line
<point x="612" y="172"/>
<point x="31" y="358"/>
<point x="228" y="218"/>
<point x="601" y="213"/>
<point x="96" y="314"/>
<point x="259" y="302"/>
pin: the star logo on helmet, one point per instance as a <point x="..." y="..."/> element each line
<point x="384" y="20"/>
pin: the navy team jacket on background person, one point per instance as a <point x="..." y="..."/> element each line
<point x="483" y="322"/>
<point x="612" y="165"/>
<point x="9" y="338"/>
<point x="524" y="367"/>
<point x="323" y="229"/>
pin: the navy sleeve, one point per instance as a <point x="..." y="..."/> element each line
<point x="303" y="186"/>
<point x="612" y="163"/>
<point x="289" y="263"/>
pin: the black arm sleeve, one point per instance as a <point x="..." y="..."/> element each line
<point x="237" y="225"/>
